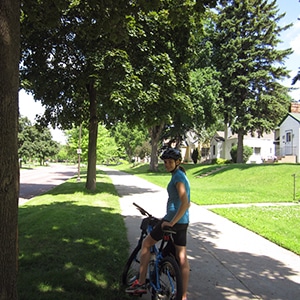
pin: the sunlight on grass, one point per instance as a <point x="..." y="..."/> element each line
<point x="279" y="224"/>
<point x="235" y="183"/>
<point x="93" y="278"/>
<point x="243" y="184"/>
<point x="72" y="241"/>
<point x="43" y="287"/>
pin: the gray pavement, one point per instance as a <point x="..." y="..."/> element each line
<point x="227" y="261"/>
<point x="35" y="181"/>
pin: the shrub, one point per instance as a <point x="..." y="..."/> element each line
<point x="247" y="152"/>
<point x="219" y="161"/>
<point x="195" y="155"/>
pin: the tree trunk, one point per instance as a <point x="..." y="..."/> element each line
<point x="9" y="165"/>
<point x="93" y="133"/>
<point x="155" y="133"/>
<point x="225" y="153"/>
<point x="240" y="148"/>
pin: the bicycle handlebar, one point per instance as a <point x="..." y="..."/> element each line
<point x="166" y="229"/>
<point x="142" y="211"/>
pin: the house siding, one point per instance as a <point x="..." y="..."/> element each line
<point x="290" y="137"/>
<point x="263" y="147"/>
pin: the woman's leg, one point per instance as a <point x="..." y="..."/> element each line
<point x="185" y="269"/>
<point x="145" y="257"/>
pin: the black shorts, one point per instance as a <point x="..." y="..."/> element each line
<point x="179" y="237"/>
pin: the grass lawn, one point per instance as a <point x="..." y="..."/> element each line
<point x="235" y="183"/>
<point x="72" y="244"/>
<point x="243" y="183"/>
<point x="279" y="224"/>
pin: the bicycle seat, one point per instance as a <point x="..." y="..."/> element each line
<point x="168" y="230"/>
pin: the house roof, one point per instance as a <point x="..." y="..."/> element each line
<point x="220" y="135"/>
<point x="295" y="116"/>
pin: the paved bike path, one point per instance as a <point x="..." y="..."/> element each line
<point x="227" y="260"/>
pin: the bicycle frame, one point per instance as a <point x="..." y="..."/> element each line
<point x="159" y="256"/>
<point x="158" y="252"/>
<point x="163" y="275"/>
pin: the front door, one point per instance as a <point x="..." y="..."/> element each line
<point x="289" y="142"/>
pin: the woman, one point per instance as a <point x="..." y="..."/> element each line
<point x="177" y="217"/>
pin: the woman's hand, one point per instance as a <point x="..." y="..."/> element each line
<point x="166" y="224"/>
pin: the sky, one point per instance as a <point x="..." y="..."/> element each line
<point x="290" y="39"/>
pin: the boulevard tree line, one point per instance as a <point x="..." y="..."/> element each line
<point x="170" y="67"/>
<point x="166" y="65"/>
<point x="36" y="143"/>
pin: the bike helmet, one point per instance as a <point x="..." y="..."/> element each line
<point x="171" y="153"/>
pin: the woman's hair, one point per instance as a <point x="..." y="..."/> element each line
<point x="182" y="169"/>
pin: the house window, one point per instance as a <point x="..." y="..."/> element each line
<point x="214" y="150"/>
<point x="288" y="137"/>
<point x="256" y="150"/>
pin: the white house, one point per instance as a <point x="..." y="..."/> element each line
<point x="263" y="146"/>
<point x="287" y="137"/>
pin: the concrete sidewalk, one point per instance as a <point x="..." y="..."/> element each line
<point x="227" y="261"/>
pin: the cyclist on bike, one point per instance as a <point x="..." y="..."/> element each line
<point x="177" y="217"/>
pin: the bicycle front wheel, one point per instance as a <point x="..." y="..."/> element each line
<point x="132" y="268"/>
<point x="170" y="281"/>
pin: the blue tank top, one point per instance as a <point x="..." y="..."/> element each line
<point x="173" y="198"/>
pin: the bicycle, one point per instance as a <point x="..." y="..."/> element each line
<point x="163" y="276"/>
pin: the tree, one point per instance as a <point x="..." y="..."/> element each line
<point x="297" y="77"/>
<point x="161" y="59"/>
<point x="9" y="165"/>
<point x="129" y="137"/>
<point x="247" y="152"/>
<point x="26" y="137"/>
<point x="244" y="42"/>
<point x="68" y="43"/>
<point x="35" y="142"/>
<point x="205" y="90"/>
<point x="85" y="47"/>
<point x="195" y="155"/>
<point x="106" y="150"/>
<point x="44" y="146"/>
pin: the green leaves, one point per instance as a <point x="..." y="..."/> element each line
<point x="245" y="54"/>
<point x="35" y="142"/>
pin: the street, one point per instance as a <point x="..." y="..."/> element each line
<point x="34" y="182"/>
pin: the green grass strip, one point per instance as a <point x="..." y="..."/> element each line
<point x="234" y="183"/>
<point x="279" y="224"/>
<point x="72" y="243"/>
<point x="244" y="184"/>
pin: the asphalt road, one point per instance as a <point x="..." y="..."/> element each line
<point x="34" y="182"/>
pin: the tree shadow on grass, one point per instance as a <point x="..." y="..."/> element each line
<point x="213" y="170"/>
<point x="70" y="251"/>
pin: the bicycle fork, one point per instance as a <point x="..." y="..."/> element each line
<point x="154" y="277"/>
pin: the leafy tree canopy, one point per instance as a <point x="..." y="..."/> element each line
<point x="107" y="149"/>
<point x="245" y="40"/>
<point x="35" y="142"/>
<point x="112" y="60"/>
